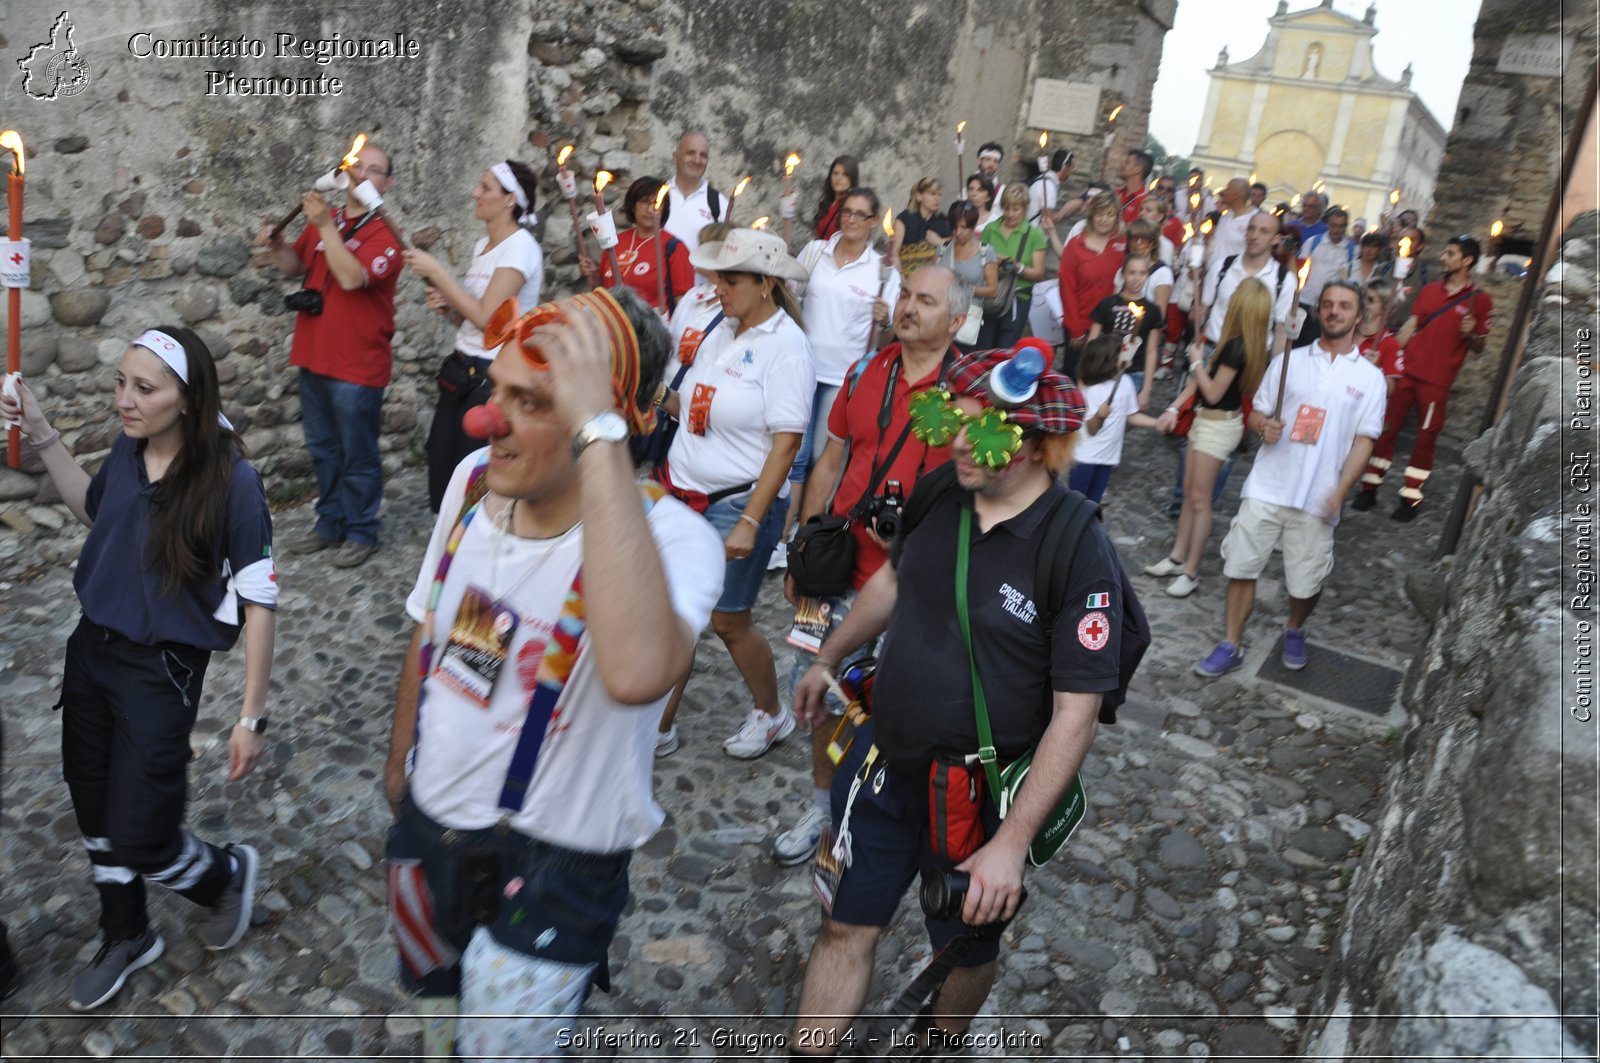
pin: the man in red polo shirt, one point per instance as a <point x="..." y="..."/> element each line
<point x="1450" y="319"/>
<point x="869" y="419"/>
<point x="1135" y="174"/>
<point x="348" y="260"/>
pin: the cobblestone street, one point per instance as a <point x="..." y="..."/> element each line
<point x="1189" y="915"/>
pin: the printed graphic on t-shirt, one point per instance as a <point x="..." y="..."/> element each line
<point x="1017" y="604"/>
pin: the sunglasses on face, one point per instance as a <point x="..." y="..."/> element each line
<point x="994" y="437"/>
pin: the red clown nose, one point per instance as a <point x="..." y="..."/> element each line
<point x="485" y="422"/>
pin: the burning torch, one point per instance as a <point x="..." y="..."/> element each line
<point x="885" y="265"/>
<point x="1283" y="372"/>
<point x="789" y="165"/>
<point x="569" y="188"/>
<point x="604" y="226"/>
<point x="961" y="158"/>
<point x="1111" y="135"/>
<point x="334" y="180"/>
<point x="738" y="190"/>
<point x="14" y="275"/>
<point x="661" y="253"/>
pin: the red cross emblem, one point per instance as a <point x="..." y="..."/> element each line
<point x="1094" y="630"/>
<point x="16" y="258"/>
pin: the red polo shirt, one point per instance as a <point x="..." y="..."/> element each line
<point x="1087" y="278"/>
<point x="854" y="420"/>
<point x="349" y="340"/>
<point x="1131" y="202"/>
<point x="1436" y="352"/>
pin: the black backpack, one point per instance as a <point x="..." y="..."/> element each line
<point x="1066" y="527"/>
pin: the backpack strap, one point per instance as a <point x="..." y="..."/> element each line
<point x="672" y="244"/>
<point x="714" y="201"/>
<point x="928" y="490"/>
<point x="1066" y="527"/>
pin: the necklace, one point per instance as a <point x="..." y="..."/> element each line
<point x="502" y="523"/>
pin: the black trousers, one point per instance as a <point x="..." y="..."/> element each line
<point x="127" y="711"/>
<point x="463" y="384"/>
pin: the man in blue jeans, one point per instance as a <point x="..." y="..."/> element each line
<point x="348" y="260"/>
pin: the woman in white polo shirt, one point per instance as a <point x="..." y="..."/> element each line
<point x="742" y="408"/>
<point x="507" y="261"/>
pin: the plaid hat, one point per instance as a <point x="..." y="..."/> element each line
<point x="1056" y="406"/>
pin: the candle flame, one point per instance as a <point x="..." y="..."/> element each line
<point x="888" y="222"/>
<point x="790" y="163"/>
<point x="1497" y="228"/>
<point x="1405" y="247"/>
<point x="1394" y="197"/>
<point x="602" y="179"/>
<point x="563" y="155"/>
<point x="743" y="184"/>
<point x="661" y="197"/>
<point x="352" y="156"/>
<point x="1136" y="310"/>
<point x="961" y="127"/>
<point x="761" y="222"/>
<point x="1206" y="227"/>
<point x="11" y="141"/>
<point x="1115" y="111"/>
<point x="1044" y="138"/>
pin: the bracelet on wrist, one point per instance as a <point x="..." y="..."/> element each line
<point x="756" y="524"/>
<point x="831" y="667"/>
<point x="1172" y="409"/>
<point x="40" y="444"/>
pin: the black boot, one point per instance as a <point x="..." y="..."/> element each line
<point x="1365" y="499"/>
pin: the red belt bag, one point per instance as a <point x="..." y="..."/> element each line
<point x="696" y="500"/>
<point x="955" y="808"/>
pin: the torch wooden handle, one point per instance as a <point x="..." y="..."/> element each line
<point x="277" y="230"/>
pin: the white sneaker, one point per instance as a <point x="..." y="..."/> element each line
<point x="779" y="558"/>
<point x="759" y="733"/>
<point x="1183" y="586"/>
<point x="667" y="742"/>
<point x="799" y="843"/>
<point x="1165" y="567"/>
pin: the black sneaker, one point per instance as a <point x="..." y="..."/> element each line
<point x="225" y="923"/>
<point x="1405" y="512"/>
<point x="1364" y="500"/>
<point x="110" y="968"/>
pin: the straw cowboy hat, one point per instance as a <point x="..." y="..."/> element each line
<point x="748" y="251"/>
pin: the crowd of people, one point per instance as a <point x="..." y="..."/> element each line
<point x="868" y="414"/>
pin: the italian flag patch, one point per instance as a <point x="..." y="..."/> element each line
<point x="1098" y="601"/>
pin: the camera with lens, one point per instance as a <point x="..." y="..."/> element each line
<point x="944" y="892"/>
<point x="882" y="513"/>
<point x="304" y="301"/>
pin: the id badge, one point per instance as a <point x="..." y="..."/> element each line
<point x="1307" y="424"/>
<point x="827" y="869"/>
<point x="689" y="344"/>
<point x="476" y="652"/>
<point x="700" y="408"/>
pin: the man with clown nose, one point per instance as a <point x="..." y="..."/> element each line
<point x="557" y="604"/>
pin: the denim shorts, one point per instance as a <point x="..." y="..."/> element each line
<point x="741" y="580"/>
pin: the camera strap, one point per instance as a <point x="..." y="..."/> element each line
<point x="344" y="236"/>
<point x="885" y="416"/>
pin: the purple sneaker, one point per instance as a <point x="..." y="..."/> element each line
<point x="1294" y="649"/>
<point x="1224" y="659"/>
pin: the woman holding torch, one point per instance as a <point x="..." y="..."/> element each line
<point x="177" y="563"/>
<point x="506" y="262"/>
<point x="653" y="262"/>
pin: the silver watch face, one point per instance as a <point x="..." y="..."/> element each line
<point x="608" y="427"/>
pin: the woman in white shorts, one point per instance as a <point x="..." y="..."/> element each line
<point x="1219" y="387"/>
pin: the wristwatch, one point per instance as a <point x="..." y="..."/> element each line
<point x="605" y="427"/>
<point x="256" y="724"/>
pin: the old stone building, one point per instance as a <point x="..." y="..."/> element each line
<point x="149" y="175"/>
<point x="1311" y="106"/>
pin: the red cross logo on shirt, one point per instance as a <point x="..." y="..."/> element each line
<point x="1094" y="630"/>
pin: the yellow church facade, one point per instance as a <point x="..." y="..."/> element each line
<point x="1310" y="107"/>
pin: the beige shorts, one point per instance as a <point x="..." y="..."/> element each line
<point x="1306" y="538"/>
<point x="1216" y="432"/>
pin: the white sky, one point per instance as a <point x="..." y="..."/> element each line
<point x="1204" y="26"/>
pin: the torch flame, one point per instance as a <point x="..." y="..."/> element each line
<point x="602" y="179"/>
<point x="11" y="141"/>
<point x="1252" y="177"/>
<point x="1405" y="247"/>
<point x="1320" y="186"/>
<point x="1206" y="227"/>
<point x="1044" y="138"/>
<point x="888" y="222"/>
<point x="1194" y="201"/>
<point x="661" y="196"/>
<point x="352" y="156"/>
<point x="1116" y="111"/>
<point x="1303" y="272"/>
<point x="744" y="183"/>
<point x="761" y="222"/>
<point x="1188" y="231"/>
<point x="563" y="155"/>
<point x="1136" y="310"/>
<point x="961" y="127"/>
<point x="1394" y="197"/>
<point x="790" y="163"/>
<point x="1497" y="228"/>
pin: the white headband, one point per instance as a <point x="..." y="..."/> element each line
<point x="508" y="181"/>
<point x="171" y="351"/>
<point x="990" y="154"/>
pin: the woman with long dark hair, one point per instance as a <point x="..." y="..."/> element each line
<point x="178" y="559"/>
<point x="844" y="173"/>
<point x="507" y="262"/>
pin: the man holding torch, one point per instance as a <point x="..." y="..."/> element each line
<point x="349" y="260"/>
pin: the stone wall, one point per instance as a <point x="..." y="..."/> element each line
<point x="1504" y="152"/>
<point x="1476" y="895"/>
<point x="143" y="191"/>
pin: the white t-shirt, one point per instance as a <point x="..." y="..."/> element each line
<point x="1105" y="446"/>
<point x="1329" y="261"/>
<point x="762" y="384"/>
<point x="1351" y="393"/>
<point x="687" y="215"/>
<point x="1219" y="288"/>
<point x="1160" y="276"/>
<point x="694" y="311"/>
<point x="1228" y="237"/>
<point x="838" y="306"/>
<point x="519" y="251"/>
<point x="1042" y="196"/>
<point x="591" y="786"/>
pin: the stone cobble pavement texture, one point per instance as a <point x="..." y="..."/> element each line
<point x="1190" y="916"/>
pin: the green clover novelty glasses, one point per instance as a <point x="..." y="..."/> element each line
<point x="936" y="420"/>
